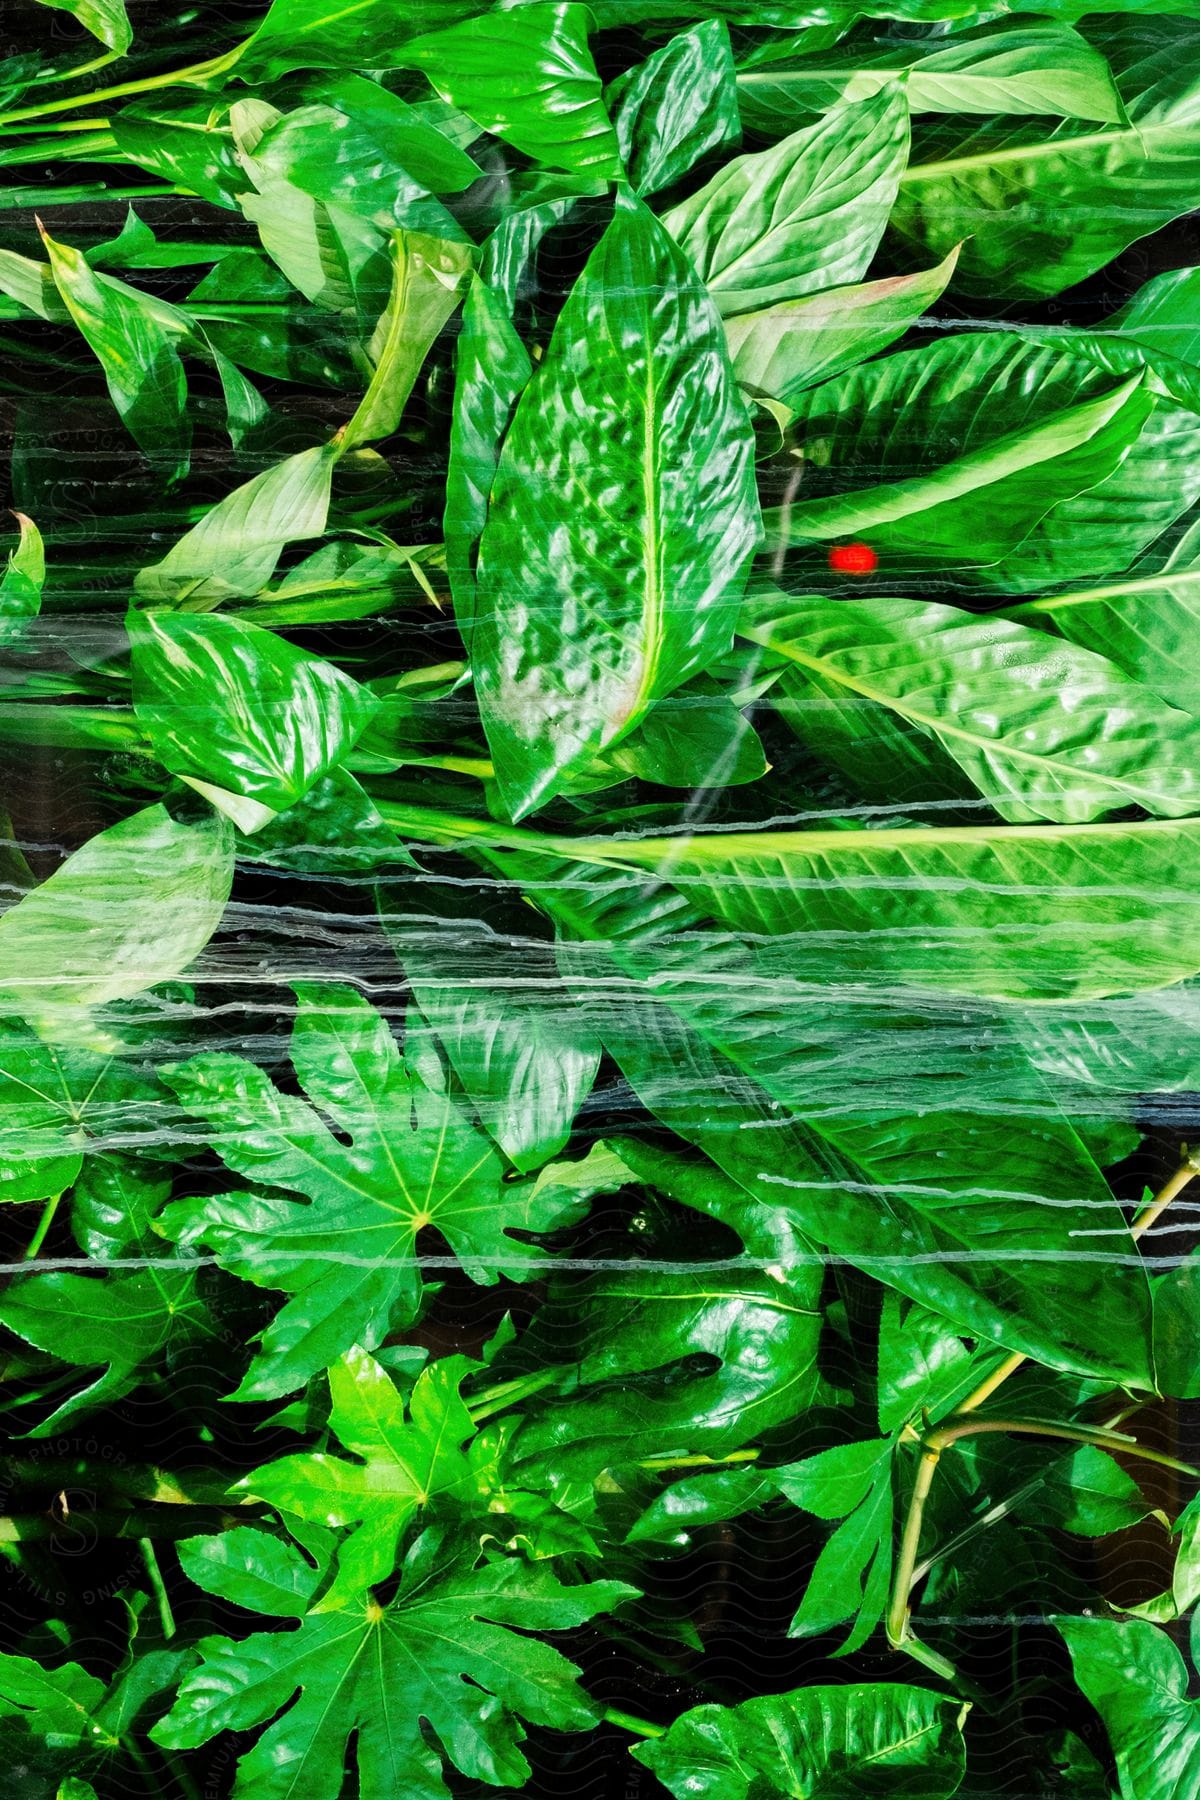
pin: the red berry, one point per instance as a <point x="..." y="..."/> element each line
<point x="853" y="559"/>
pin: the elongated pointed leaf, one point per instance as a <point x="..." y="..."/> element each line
<point x="807" y="214"/>
<point x="427" y="279"/>
<point x="675" y="107"/>
<point x="107" y="20"/>
<point x="595" y="601"/>
<point x="22" y="581"/>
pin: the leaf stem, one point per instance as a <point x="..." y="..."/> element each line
<point x="158" y="1587"/>
<point x="508" y="1393"/>
<point x="41" y="1230"/>
<point x="659" y="1463"/>
<point x="196" y="74"/>
<point x="613" y="1715"/>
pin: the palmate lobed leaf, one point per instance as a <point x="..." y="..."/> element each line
<point x="346" y="1252"/>
<point x="442" y="1651"/>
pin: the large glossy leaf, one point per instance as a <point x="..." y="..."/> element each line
<point x="427" y="284"/>
<point x="1147" y="622"/>
<point x="1041" y="730"/>
<point x="231" y="706"/>
<point x="675" y="107"/>
<point x="56" y="1104"/>
<point x="487" y="984"/>
<point x="409" y="1157"/>
<point x="405" y="1464"/>
<point x="1044" y="209"/>
<point x="806" y="214"/>
<point x="442" y="1651"/>
<point x="822" y="1743"/>
<point x="234" y="548"/>
<point x="1165" y="315"/>
<point x="784" y="349"/>
<point x="107" y="20"/>
<point x="141" y="364"/>
<point x="321" y="34"/>
<point x="628" y="585"/>
<point x="1041" y="70"/>
<point x="133" y="907"/>
<point x="1138" y="1682"/>
<point x="972" y="440"/>
<point x="526" y="75"/>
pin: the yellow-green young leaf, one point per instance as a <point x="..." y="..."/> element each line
<point x="21" y="582"/>
<point x="622" y="516"/>
<point x="804" y="215"/>
<point x="132" y="908"/>
<point x="818" y="1741"/>
<point x="234" y="548"/>
<point x="427" y="285"/>
<point x="228" y="703"/>
<point x="141" y="364"/>
<point x="784" y="349"/>
<point x="107" y="20"/>
<point x="526" y="75"/>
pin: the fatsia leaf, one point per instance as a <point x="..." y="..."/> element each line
<point x="675" y="107"/>
<point x="107" y="20"/>
<point x="784" y="349"/>
<point x="1041" y="70"/>
<point x="405" y="1465"/>
<point x="488" y="986"/>
<point x="427" y="279"/>
<point x="958" y="480"/>
<point x="825" y="1743"/>
<point x="116" y="1199"/>
<point x="1147" y="622"/>
<point x="58" y="1103"/>
<point x="345" y="1254"/>
<point x="806" y="214"/>
<point x="1043" y="210"/>
<point x="254" y="1569"/>
<point x="118" y="1322"/>
<point x="61" y="1704"/>
<point x="629" y="586"/>
<point x="21" y="582"/>
<point x="526" y="75"/>
<point x="1042" y="731"/>
<point x="141" y="364"/>
<point x="1138" y="1682"/>
<point x="132" y="908"/>
<point x="234" y="548"/>
<point x="231" y="706"/>
<point x="443" y="1651"/>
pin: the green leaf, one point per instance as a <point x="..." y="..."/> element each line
<point x="346" y="1256"/>
<point x="427" y="279"/>
<point x="1041" y="70"/>
<point x="825" y="1743"/>
<point x="232" y="706"/>
<point x="251" y="1568"/>
<point x="116" y="1199"/>
<point x="973" y="440"/>
<point x="584" y="624"/>
<point x="133" y="907"/>
<point x="1147" y="622"/>
<point x="1043" y="210"/>
<point x="321" y="34"/>
<point x="1137" y="1681"/>
<point x="234" y="548"/>
<point x="784" y="349"/>
<point x="59" y="1704"/>
<point x="1086" y="1493"/>
<point x="366" y="148"/>
<point x="488" y="987"/>
<point x="442" y="1651"/>
<point x="57" y="1103"/>
<point x="924" y="1365"/>
<point x="141" y="365"/>
<point x="677" y="106"/>
<point x="405" y="1465"/>
<point x="1163" y="315"/>
<point x="696" y="738"/>
<point x="1041" y="730"/>
<point x="107" y="20"/>
<point x="186" y="143"/>
<point x="21" y="582"/>
<point x="806" y="214"/>
<point x="526" y="75"/>
<point x="118" y="1322"/>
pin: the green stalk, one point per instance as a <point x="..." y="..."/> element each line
<point x="612" y="1715"/>
<point x="42" y="1227"/>
<point x="508" y="1393"/>
<point x="659" y="1463"/>
<point x="158" y="1587"/>
<point x="197" y="74"/>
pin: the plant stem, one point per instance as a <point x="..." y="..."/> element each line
<point x="630" y="1722"/>
<point x="508" y="1393"/>
<point x="42" y="1228"/>
<point x="158" y="1587"/>
<point x="196" y="74"/>
<point x="700" y="1462"/>
<point x="935" y="1442"/>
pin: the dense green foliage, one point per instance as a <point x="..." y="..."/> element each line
<point x="600" y="950"/>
